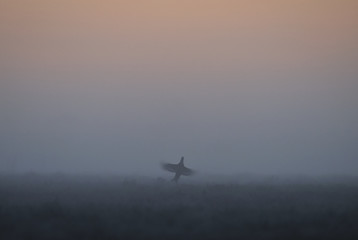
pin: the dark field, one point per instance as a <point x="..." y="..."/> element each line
<point x="65" y="207"/>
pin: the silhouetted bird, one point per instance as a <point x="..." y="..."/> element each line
<point x="179" y="169"/>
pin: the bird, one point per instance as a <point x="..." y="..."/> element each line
<point x="179" y="169"/>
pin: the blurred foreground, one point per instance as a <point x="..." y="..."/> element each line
<point x="85" y="207"/>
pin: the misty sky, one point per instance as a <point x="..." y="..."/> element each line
<point x="238" y="86"/>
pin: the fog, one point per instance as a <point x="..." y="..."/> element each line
<point x="262" y="88"/>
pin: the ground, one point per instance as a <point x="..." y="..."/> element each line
<point x="88" y="207"/>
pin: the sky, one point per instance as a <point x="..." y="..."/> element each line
<point x="235" y="86"/>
